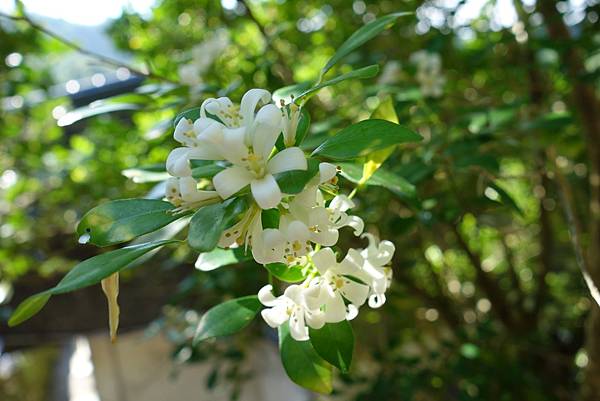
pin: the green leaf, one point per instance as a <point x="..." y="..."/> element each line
<point x="303" y="126"/>
<point x="289" y="274"/>
<point x="361" y="73"/>
<point x="334" y="342"/>
<point x="364" y="137"/>
<point x="381" y="178"/>
<point x="123" y="220"/>
<point x="302" y="363"/>
<point x="28" y="308"/>
<point x="141" y="175"/>
<point x="287" y="92"/>
<point x="294" y="181"/>
<point x="93" y="270"/>
<point x="270" y="218"/>
<point x="361" y="36"/>
<point x="227" y="318"/>
<point x="209" y="222"/>
<point x="506" y="198"/>
<point x="205" y="168"/>
<point x="191" y="114"/>
<point x="94" y="109"/>
<point x="220" y="257"/>
<point x="84" y="274"/>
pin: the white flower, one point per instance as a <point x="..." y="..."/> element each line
<point x="184" y="194"/>
<point x="291" y="117"/>
<point x="246" y="139"/>
<point x="375" y="266"/>
<point x="338" y="282"/>
<point x="190" y="74"/>
<point x="289" y="244"/>
<point x="291" y="307"/>
<point x="322" y="221"/>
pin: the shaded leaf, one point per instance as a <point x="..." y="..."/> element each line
<point x="227" y="318"/>
<point x="334" y="342"/>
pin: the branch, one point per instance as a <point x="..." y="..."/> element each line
<point x="105" y="59"/>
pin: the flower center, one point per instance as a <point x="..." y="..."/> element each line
<point x="255" y="163"/>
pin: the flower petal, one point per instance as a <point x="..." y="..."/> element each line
<point x="184" y="132"/>
<point x="178" y="162"/>
<point x="265" y="295"/>
<point x="324" y="259"/>
<point x="276" y="316"/>
<point x="231" y="180"/>
<point x="190" y="192"/>
<point x="335" y="309"/>
<point x="266" y="192"/>
<point x="298" y="328"/>
<point x="341" y="203"/>
<point x="376" y="300"/>
<point x="326" y="172"/>
<point x="355" y="292"/>
<point x="287" y="160"/>
<point x="234" y="146"/>
<point x="249" y="102"/>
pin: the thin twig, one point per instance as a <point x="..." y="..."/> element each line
<point x="105" y="59"/>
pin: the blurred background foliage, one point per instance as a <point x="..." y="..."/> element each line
<point x="488" y="302"/>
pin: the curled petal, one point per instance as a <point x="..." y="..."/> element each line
<point x="287" y="160"/>
<point x="178" y="162"/>
<point x="231" y="180"/>
<point x="376" y="300"/>
<point x="184" y="132"/>
<point x="265" y="295"/>
<point x="298" y="328"/>
<point x="341" y="203"/>
<point x="351" y="311"/>
<point x="355" y="222"/>
<point x="326" y="172"/>
<point x="266" y="192"/>
<point x="250" y="100"/>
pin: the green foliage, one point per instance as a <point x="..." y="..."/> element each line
<point x="294" y="181"/>
<point x="302" y="364"/>
<point x="288" y="274"/>
<point x="334" y="342"/>
<point x="364" y="137"/>
<point x="227" y="318"/>
<point x="209" y="222"/>
<point x="123" y="220"/>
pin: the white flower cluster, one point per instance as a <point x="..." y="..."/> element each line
<point x="429" y="73"/>
<point x="242" y="139"/>
<point x="203" y="55"/>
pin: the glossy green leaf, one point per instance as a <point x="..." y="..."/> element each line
<point x="227" y="318"/>
<point x="125" y="219"/>
<point x="364" y="137"/>
<point x="209" y="222"/>
<point x="361" y="73"/>
<point x="303" y="126"/>
<point x="381" y="178"/>
<point x="220" y="257"/>
<point x="94" y="109"/>
<point x="205" y="169"/>
<point x="506" y="198"/>
<point x="270" y="218"/>
<point x="334" y="342"/>
<point x="283" y="272"/>
<point x="28" y="308"/>
<point x="287" y="92"/>
<point x="294" y="181"/>
<point x="302" y="363"/>
<point x="89" y="272"/>
<point x="191" y="114"/>
<point x="361" y="36"/>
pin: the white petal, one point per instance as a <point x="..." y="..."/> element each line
<point x="269" y="115"/>
<point x="275" y="317"/>
<point x="335" y="309"/>
<point x="315" y="319"/>
<point x="249" y="102"/>
<point x="355" y="292"/>
<point x="286" y="160"/>
<point x="324" y="259"/>
<point x="297" y="231"/>
<point x="351" y="311"/>
<point x="341" y="203"/>
<point x="265" y="295"/>
<point x="326" y="172"/>
<point x="352" y="221"/>
<point x="298" y="328"/>
<point x="231" y="180"/>
<point x="172" y="191"/>
<point x="376" y="300"/>
<point x="266" y="192"/>
<point x="267" y="246"/>
<point x="178" y="162"/>
<point x="190" y="193"/>
<point x="184" y="132"/>
<point x="295" y="293"/>
<point x="234" y="145"/>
